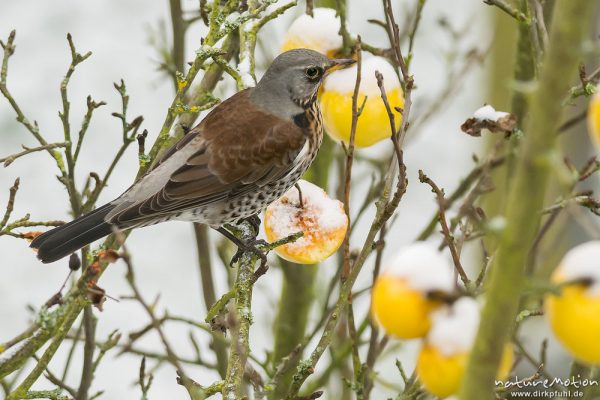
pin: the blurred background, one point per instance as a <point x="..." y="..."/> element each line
<point x="123" y="36"/>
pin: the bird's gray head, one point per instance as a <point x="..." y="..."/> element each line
<point x="298" y="74"/>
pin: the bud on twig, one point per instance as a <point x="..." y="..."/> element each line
<point x="74" y="262"/>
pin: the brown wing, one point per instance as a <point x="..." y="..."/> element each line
<point x="238" y="147"/>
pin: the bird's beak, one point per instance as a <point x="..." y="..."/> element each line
<point x="339" y="63"/>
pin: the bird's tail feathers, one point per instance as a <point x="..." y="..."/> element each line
<point x="70" y="237"/>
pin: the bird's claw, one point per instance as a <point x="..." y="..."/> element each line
<point x="251" y="247"/>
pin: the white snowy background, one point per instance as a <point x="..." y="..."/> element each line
<point x="118" y="32"/>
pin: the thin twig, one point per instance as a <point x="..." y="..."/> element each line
<point x="444" y="224"/>
<point x="69" y="179"/>
<point x="27" y="150"/>
<point x="33" y="128"/>
<point x="510" y="10"/>
<point x="91" y="106"/>
<point x="350" y="159"/>
<point x="87" y="370"/>
<point x="27" y="333"/>
<point x="463" y="187"/>
<point x="413" y="31"/>
<point x="540" y="23"/>
<point x="11" y="202"/>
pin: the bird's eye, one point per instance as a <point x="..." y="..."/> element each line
<point x="313" y="72"/>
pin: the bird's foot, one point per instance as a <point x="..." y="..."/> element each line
<point x="250" y="247"/>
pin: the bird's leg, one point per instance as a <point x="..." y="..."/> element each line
<point x="299" y="194"/>
<point x="249" y="246"/>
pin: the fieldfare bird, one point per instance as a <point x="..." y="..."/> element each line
<point x="242" y="156"/>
